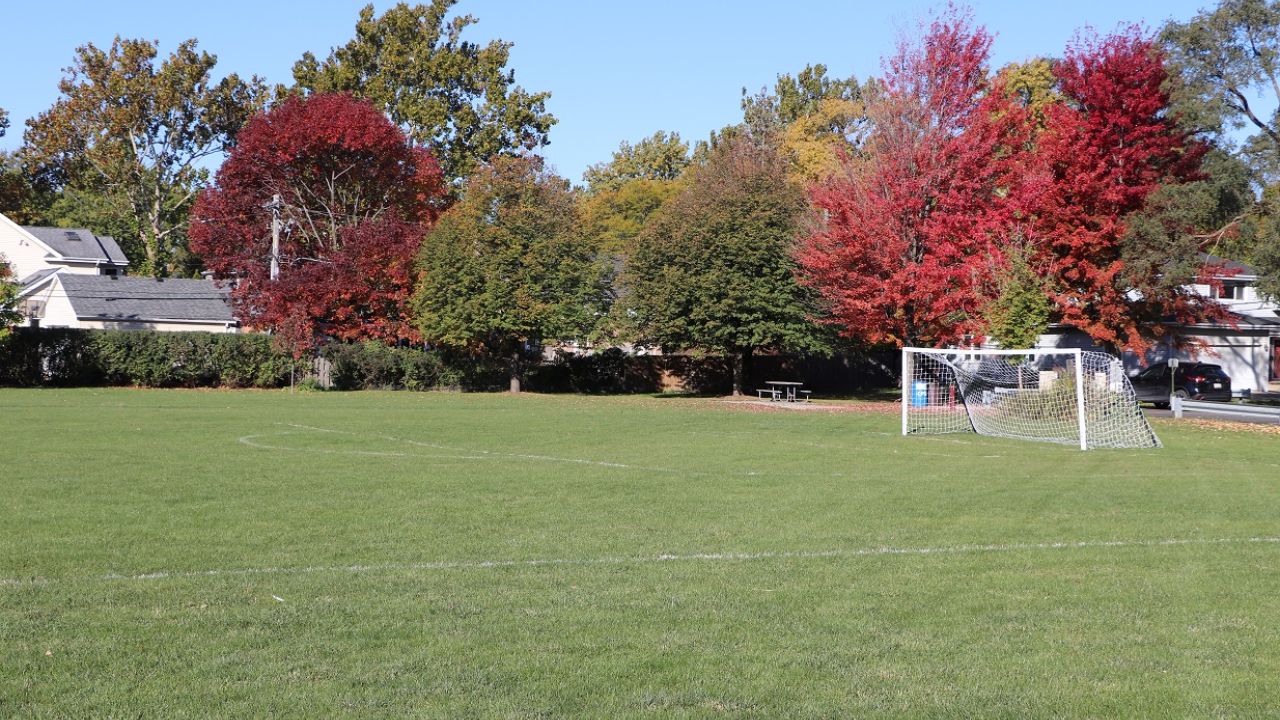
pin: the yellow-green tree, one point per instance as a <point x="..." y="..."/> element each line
<point x="613" y="218"/>
<point x="813" y="119"/>
<point x="1033" y="85"/>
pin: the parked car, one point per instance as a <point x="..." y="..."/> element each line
<point x="1191" y="380"/>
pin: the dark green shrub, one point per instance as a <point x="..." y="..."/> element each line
<point x="375" y="365"/>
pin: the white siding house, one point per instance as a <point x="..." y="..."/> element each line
<point x="72" y="278"/>
<point x="1249" y="352"/>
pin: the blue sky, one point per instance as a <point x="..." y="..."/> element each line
<point x="617" y="71"/>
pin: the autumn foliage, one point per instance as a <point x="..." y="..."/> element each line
<point x="356" y="200"/>
<point x="957" y="172"/>
<point x="914" y="226"/>
<point x="1102" y="155"/>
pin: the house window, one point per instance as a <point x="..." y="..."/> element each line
<point x="1231" y="291"/>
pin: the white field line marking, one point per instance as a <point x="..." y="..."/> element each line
<point x="476" y="454"/>
<point x="881" y="551"/>
<point x="252" y="441"/>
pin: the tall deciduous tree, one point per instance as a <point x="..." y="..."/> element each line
<point x="456" y="97"/>
<point x="1225" y="58"/>
<point x="1227" y="65"/>
<point x="662" y="156"/>
<point x="128" y="128"/>
<point x="508" y="268"/>
<point x="914" y="228"/>
<point x="796" y="97"/>
<point x="814" y="119"/>
<point x="1106" y="152"/>
<point x="355" y="199"/>
<point x="714" y="269"/>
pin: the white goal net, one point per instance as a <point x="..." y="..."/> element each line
<point x="1071" y="396"/>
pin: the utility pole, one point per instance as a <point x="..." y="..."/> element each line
<point x="275" y="206"/>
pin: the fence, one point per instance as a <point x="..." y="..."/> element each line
<point x="1257" y="413"/>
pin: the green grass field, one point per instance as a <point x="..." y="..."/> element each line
<point x="180" y="554"/>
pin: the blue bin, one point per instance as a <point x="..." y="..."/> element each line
<point x="919" y="393"/>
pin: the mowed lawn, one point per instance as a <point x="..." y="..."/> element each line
<point x="194" y="554"/>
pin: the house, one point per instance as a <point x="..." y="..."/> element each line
<point x="1248" y="352"/>
<point x="73" y="278"/>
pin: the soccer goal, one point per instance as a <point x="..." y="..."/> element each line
<point x="1073" y="397"/>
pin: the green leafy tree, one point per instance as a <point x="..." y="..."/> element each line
<point x="1226" y="64"/>
<point x="1223" y="60"/>
<point x="456" y="97"/>
<point x="9" y="315"/>
<point x="662" y="156"/>
<point x="508" y="268"/>
<point x="815" y="143"/>
<point x="714" y="270"/>
<point x="797" y="97"/>
<point x="4" y="121"/>
<point x="126" y="129"/>
<point x="1021" y="310"/>
<point x="814" y="120"/>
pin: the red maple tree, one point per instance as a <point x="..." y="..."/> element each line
<point x="914" y="225"/>
<point x="356" y="199"/>
<point x="1102" y="154"/>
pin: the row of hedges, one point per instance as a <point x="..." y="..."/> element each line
<point x="67" y="358"/>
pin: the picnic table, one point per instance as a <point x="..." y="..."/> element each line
<point x="784" y="390"/>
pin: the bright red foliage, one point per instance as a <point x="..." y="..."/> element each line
<point x="1101" y="156"/>
<point x="357" y="199"/>
<point x="913" y="231"/>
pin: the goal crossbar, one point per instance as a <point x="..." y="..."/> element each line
<point x="1063" y="395"/>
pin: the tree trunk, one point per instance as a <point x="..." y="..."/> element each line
<point x="741" y="370"/>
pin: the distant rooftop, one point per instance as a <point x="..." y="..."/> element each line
<point x="80" y="243"/>
<point x="146" y="299"/>
<point x="1238" y="268"/>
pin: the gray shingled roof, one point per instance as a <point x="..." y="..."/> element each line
<point x="1238" y="267"/>
<point x="79" y="243"/>
<point x="141" y="299"/>
<point x="36" y="277"/>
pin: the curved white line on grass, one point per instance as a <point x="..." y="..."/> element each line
<point x="490" y="454"/>
<point x="881" y="551"/>
<point x="252" y="441"/>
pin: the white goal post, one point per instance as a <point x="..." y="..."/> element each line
<point x="1069" y="396"/>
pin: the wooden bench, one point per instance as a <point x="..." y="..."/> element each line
<point x="773" y="394"/>
<point x="804" y="395"/>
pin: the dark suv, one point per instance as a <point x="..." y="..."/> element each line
<point x="1192" y="380"/>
